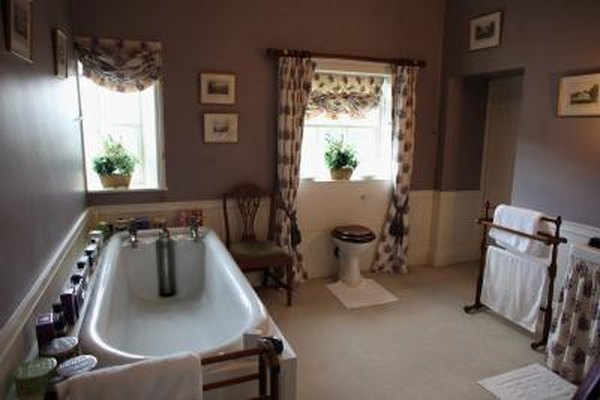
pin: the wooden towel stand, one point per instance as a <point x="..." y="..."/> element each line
<point x="551" y="240"/>
<point x="268" y="351"/>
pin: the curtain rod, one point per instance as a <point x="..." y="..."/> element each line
<point x="303" y="53"/>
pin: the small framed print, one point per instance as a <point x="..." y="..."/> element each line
<point x="217" y="88"/>
<point x="578" y="96"/>
<point x="19" y="28"/>
<point x="61" y="58"/>
<point x="485" y="31"/>
<point x="220" y="128"/>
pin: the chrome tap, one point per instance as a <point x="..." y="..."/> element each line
<point x="164" y="232"/>
<point x="133" y="230"/>
<point x="194" y="229"/>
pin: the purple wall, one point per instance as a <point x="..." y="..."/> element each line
<point x="558" y="159"/>
<point x="40" y="158"/>
<point x="229" y="35"/>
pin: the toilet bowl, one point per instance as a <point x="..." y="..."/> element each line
<point x="351" y="242"/>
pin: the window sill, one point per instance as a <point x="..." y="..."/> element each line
<point x="353" y="180"/>
<point x="128" y="190"/>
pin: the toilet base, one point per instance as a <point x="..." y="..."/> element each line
<point x="349" y="271"/>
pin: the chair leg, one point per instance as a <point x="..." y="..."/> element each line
<point x="265" y="278"/>
<point x="290" y="283"/>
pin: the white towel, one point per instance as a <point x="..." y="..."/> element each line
<point x="523" y="220"/>
<point x="177" y="377"/>
<point x="514" y="286"/>
<point x="578" y="252"/>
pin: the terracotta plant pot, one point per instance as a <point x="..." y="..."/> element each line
<point x="342" y="174"/>
<point x="115" y="181"/>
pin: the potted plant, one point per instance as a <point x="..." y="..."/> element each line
<point x="115" y="165"/>
<point x="340" y="158"/>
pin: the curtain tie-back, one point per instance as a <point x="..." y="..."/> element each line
<point x="397" y="224"/>
<point x="296" y="235"/>
<point x="120" y="65"/>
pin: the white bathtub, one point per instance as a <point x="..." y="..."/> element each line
<point x="127" y="320"/>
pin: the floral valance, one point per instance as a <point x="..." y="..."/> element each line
<point x="336" y="94"/>
<point x="120" y="65"/>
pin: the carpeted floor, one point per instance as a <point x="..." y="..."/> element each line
<point x="421" y="347"/>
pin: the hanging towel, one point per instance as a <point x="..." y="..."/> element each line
<point x="177" y="377"/>
<point x="523" y="220"/>
<point x="514" y="286"/>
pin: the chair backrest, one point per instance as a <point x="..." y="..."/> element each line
<point x="248" y="199"/>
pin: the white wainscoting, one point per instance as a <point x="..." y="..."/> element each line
<point x="455" y="235"/>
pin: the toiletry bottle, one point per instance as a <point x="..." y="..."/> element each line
<point x="77" y="285"/>
<point x="60" y="322"/>
<point x="44" y="329"/>
<point x="91" y="251"/>
<point x="83" y="266"/>
<point x="69" y="303"/>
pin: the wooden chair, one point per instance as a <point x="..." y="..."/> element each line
<point x="250" y="253"/>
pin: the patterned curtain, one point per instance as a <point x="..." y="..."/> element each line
<point x="334" y="94"/>
<point x="294" y="78"/>
<point x="120" y="65"/>
<point x="393" y="241"/>
<point x="574" y="341"/>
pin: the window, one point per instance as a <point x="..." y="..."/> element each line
<point x="369" y="133"/>
<point x="134" y="119"/>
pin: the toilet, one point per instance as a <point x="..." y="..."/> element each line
<point x="351" y="242"/>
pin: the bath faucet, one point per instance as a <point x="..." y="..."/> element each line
<point x="164" y="232"/>
<point x="194" y="229"/>
<point x="133" y="239"/>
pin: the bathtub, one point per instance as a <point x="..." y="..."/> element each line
<point x="213" y="308"/>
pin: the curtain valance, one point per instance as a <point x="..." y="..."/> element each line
<point x="335" y="94"/>
<point x="120" y="65"/>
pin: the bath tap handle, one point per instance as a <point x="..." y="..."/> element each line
<point x="164" y="232"/>
<point x="194" y="228"/>
<point x="133" y="229"/>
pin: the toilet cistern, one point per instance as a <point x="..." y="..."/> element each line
<point x="351" y="242"/>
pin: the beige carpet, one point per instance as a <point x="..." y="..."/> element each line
<point x="423" y="347"/>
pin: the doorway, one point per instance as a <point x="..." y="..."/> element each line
<point x="503" y="115"/>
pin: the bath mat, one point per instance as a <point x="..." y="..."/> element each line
<point x="367" y="293"/>
<point x="533" y="382"/>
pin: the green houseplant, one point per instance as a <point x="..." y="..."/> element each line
<point x="340" y="158"/>
<point x="115" y="165"/>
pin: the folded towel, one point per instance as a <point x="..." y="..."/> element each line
<point x="578" y="252"/>
<point x="522" y="220"/>
<point x="177" y="377"/>
<point x="514" y="286"/>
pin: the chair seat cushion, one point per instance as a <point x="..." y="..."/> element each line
<point x="256" y="249"/>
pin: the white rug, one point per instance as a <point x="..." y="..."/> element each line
<point x="533" y="382"/>
<point x="367" y="293"/>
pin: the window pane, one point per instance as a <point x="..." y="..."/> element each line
<point x="370" y="136"/>
<point x="131" y="119"/>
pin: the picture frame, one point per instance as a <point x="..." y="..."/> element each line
<point x="579" y="96"/>
<point x="18" y="29"/>
<point x="61" y="55"/>
<point x="485" y="31"/>
<point x="217" y="88"/>
<point x="221" y="128"/>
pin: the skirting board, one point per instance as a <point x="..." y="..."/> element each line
<point x="17" y="335"/>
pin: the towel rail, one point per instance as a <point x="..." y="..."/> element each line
<point x="553" y="240"/>
<point x="267" y="351"/>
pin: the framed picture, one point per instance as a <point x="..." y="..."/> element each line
<point x="61" y="60"/>
<point x="217" y="88"/>
<point x="19" y="28"/>
<point x="220" y="128"/>
<point x="485" y="31"/>
<point x="578" y="96"/>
